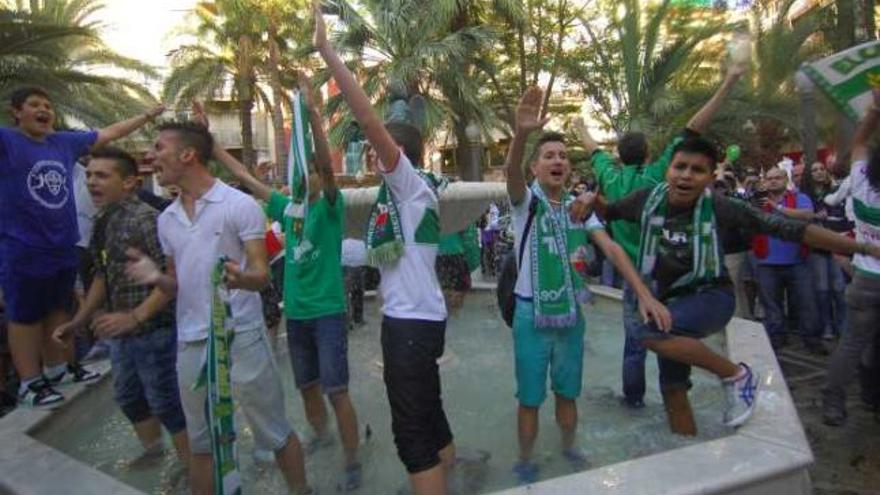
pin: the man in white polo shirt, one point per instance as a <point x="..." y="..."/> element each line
<point x="210" y="220"/>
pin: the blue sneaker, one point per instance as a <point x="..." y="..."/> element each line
<point x="576" y="458"/>
<point x="526" y="472"/>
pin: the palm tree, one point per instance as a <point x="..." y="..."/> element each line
<point x="246" y="49"/>
<point x="427" y="47"/>
<point x="633" y="65"/>
<point x="55" y="44"/>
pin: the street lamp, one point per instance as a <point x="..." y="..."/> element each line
<point x="475" y="145"/>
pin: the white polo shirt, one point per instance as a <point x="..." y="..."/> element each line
<point x="409" y="285"/>
<point x="866" y="206"/>
<point x="224" y="219"/>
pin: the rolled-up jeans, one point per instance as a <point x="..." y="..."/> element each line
<point x="774" y="281"/>
<point x="634" y="353"/>
<point x="863" y="304"/>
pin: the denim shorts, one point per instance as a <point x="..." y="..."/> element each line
<point x="561" y="350"/>
<point x="697" y="316"/>
<point x="256" y="389"/>
<point x="319" y="352"/>
<point x="410" y="349"/>
<point x="31" y="298"/>
<point x="145" y="383"/>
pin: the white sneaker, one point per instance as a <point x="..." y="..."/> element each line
<point x="742" y="395"/>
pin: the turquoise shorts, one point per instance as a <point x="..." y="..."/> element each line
<point x="561" y="350"/>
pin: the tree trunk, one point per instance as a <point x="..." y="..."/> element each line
<point x="845" y="35"/>
<point x="277" y="108"/>
<point x="246" y="81"/>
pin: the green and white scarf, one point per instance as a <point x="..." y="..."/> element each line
<point x="706" y="248"/>
<point x="557" y="247"/>
<point x="301" y="154"/>
<point x="384" y="235"/>
<point x="215" y="376"/>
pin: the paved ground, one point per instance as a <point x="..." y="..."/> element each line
<point x="847" y="457"/>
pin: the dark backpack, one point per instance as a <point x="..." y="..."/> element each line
<point x="510" y="270"/>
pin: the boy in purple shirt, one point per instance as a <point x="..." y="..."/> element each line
<point x="38" y="231"/>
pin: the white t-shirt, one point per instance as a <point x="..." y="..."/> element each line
<point x="409" y="286"/>
<point x="85" y="209"/>
<point x="866" y="208"/>
<point x="520" y="214"/>
<point x="354" y="252"/>
<point x="224" y="219"/>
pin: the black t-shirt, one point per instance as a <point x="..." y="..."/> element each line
<point x="734" y="218"/>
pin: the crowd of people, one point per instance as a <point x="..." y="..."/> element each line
<point x="693" y="243"/>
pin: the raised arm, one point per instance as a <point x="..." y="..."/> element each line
<point x="379" y="138"/>
<point x="528" y="120"/>
<point x="700" y="121"/>
<point x="323" y="162"/>
<point x="125" y="127"/>
<point x="583" y="133"/>
<point x="235" y="167"/>
<point x="866" y="129"/>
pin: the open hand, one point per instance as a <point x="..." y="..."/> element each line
<point x="140" y="268"/>
<point x="154" y="112"/>
<point x="114" y="324"/>
<point x="652" y="309"/>
<point x="198" y="114"/>
<point x="528" y="111"/>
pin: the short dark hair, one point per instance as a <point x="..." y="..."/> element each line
<point x="546" y="137"/>
<point x="632" y="148"/>
<point x="126" y="165"/>
<point x="698" y="145"/>
<point x="192" y="135"/>
<point x="20" y="95"/>
<point x="410" y="139"/>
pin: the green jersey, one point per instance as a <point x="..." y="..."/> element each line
<point x="313" y="284"/>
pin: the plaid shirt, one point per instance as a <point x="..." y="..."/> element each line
<point x="129" y="223"/>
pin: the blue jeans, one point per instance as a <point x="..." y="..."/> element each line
<point x="697" y="316"/>
<point x="145" y="383"/>
<point x="830" y="286"/>
<point x="319" y="352"/>
<point x="774" y="282"/>
<point x="634" y="353"/>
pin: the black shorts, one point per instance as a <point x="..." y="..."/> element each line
<point x="410" y="349"/>
<point x="452" y="272"/>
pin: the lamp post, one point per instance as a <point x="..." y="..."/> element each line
<point x="475" y="158"/>
<point x="807" y="95"/>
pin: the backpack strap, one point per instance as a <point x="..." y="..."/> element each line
<point x="533" y="208"/>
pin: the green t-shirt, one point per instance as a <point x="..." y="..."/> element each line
<point x="313" y="285"/>
<point x="617" y="182"/>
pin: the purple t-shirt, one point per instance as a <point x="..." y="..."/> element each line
<point x="787" y="253"/>
<point x="38" y="225"/>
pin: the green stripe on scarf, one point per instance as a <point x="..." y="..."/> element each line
<point x="218" y="402"/>
<point x="301" y="153"/>
<point x="706" y="248"/>
<point x="557" y="286"/>
<point x="384" y="235"/>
